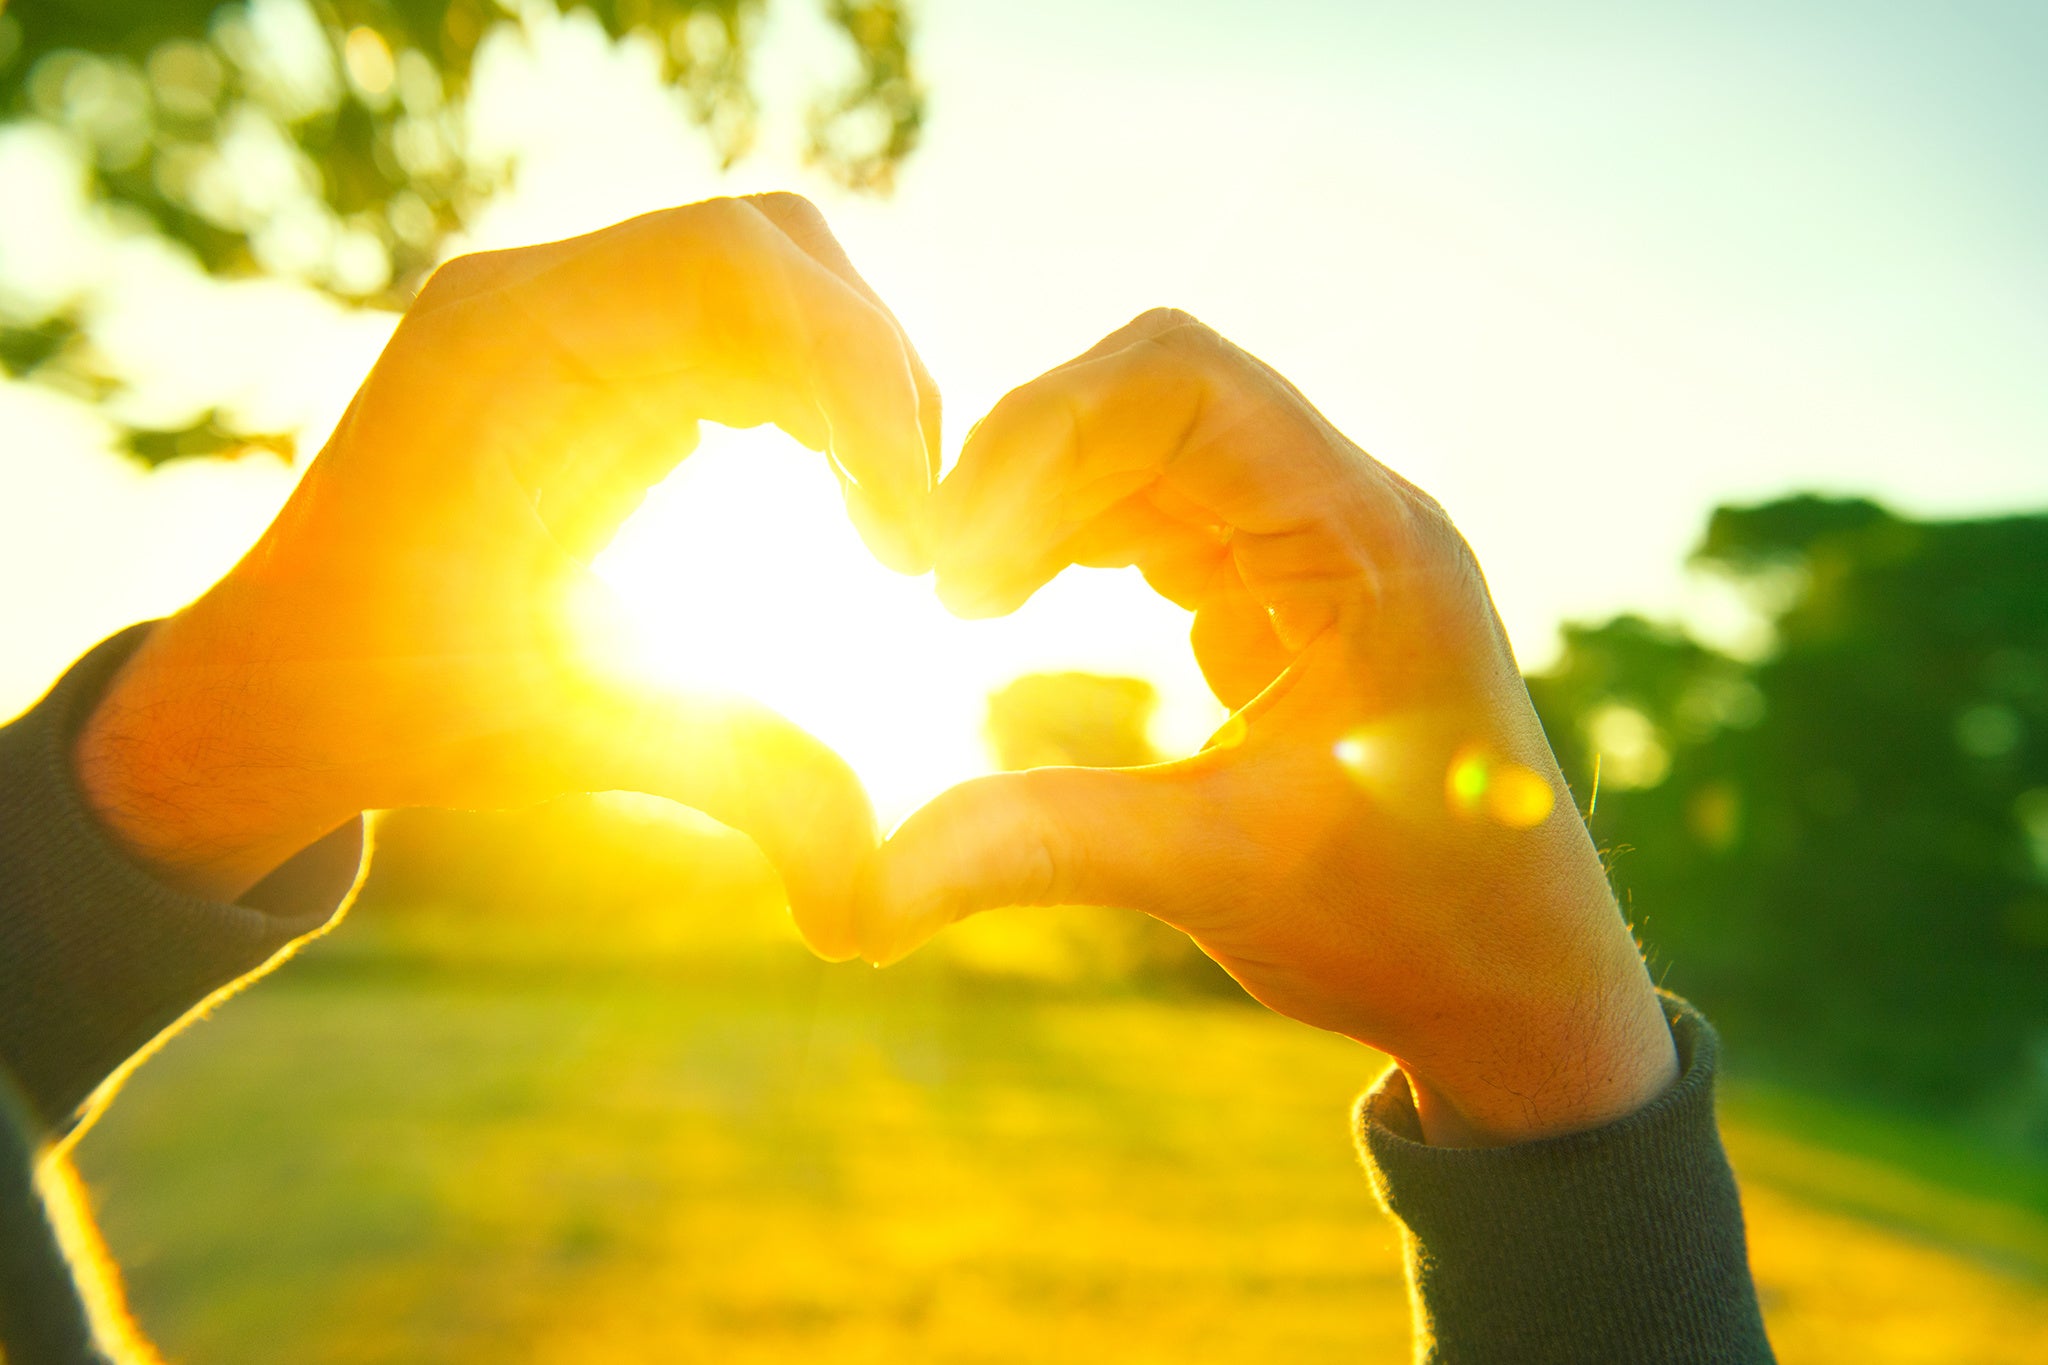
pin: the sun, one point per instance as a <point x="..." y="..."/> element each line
<point x="741" y="575"/>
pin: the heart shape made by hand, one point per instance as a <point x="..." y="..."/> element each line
<point x="1380" y="783"/>
<point x="783" y="604"/>
<point x="1369" y="843"/>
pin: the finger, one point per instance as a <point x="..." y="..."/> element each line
<point x="870" y="386"/>
<point x="1180" y="560"/>
<point x="800" y="220"/>
<point x="1047" y="836"/>
<point x="1116" y="424"/>
<point x="592" y="495"/>
<point x="707" y="312"/>
<point x="1168" y="413"/>
<point x="744" y="766"/>
<point x="1239" y="652"/>
<point x="1192" y="566"/>
<point x="1148" y="324"/>
<point x="1105" y="546"/>
<point x="1051" y="457"/>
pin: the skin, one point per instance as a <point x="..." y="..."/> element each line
<point x="405" y="633"/>
<point x="1379" y="841"/>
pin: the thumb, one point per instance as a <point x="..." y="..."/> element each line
<point x="1046" y="836"/>
<point x="747" y="767"/>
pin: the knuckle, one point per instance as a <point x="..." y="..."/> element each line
<point x="786" y="205"/>
<point x="1419" y="509"/>
<point x="1017" y="408"/>
<point x="1177" y="329"/>
<point x="1431" y="512"/>
<point x="1037" y="874"/>
<point x="718" y="208"/>
<point x="461" y="276"/>
<point x="1164" y="319"/>
<point x="1053" y="862"/>
<point x="1435" y="538"/>
<point x="725" y="221"/>
<point x="1182" y="342"/>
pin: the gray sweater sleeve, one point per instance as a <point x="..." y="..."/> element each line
<point x="97" y="958"/>
<point x="1621" y="1244"/>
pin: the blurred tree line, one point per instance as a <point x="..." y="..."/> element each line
<point x="325" y="141"/>
<point x="1840" y="848"/>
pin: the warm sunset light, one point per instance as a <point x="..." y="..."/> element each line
<point x="805" y="620"/>
<point x="496" y="866"/>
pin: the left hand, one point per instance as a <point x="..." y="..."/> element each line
<point x="1379" y="841"/>
<point x="402" y="635"/>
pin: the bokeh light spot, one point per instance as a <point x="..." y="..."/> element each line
<point x="1520" y="798"/>
<point x="1465" y="783"/>
<point x="368" y="59"/>
<point x="1363" y="756"/>
<point x="1508" y="793"/>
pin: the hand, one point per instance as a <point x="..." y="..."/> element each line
<point x="1378" y="842"/>
<point x="402" y="635"/>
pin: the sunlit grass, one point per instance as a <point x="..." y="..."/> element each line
<point x="563" y="1156"/>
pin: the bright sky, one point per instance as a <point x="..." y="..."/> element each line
<point x="1582" y="270"/>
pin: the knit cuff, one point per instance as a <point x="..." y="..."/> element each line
<point x="97" y="957"/>
<point x="1621" y="1243"/>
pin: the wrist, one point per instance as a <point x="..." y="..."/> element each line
<point x="185" y="770"/>
<point x="1554" y="1026"/>
<point x="1584" y="1071"/>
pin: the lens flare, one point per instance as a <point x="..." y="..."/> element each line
<point x="1481" y="784"/>
<point x="1362" y="756"/>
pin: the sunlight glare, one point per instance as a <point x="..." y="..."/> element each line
<point x="741" y="575"/>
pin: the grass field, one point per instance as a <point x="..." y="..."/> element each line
<point x="551" y="1153"/>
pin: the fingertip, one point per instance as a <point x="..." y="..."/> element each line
<point x="972" y="599"/>
<point x="905" y="943"/>
<point x="819" y="833"/>
<point x="871" y="917"/>
<point x="965" y="600"/>
<point x="825" y="909"/>
<point x="895" y="531"/>
<point x="885" y="455"/>
<point x="826" y="946"/>
<point x="898" y="912"/>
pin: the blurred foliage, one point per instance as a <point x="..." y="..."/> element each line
<point x="325" y="140"/>
<point x="1841" y="849"/>
<point x="619" y="859"/>
<point x="1067" y="719"/>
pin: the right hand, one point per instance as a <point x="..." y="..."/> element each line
<point x="403" y="634"/>
<point x="1379" y="841"/>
